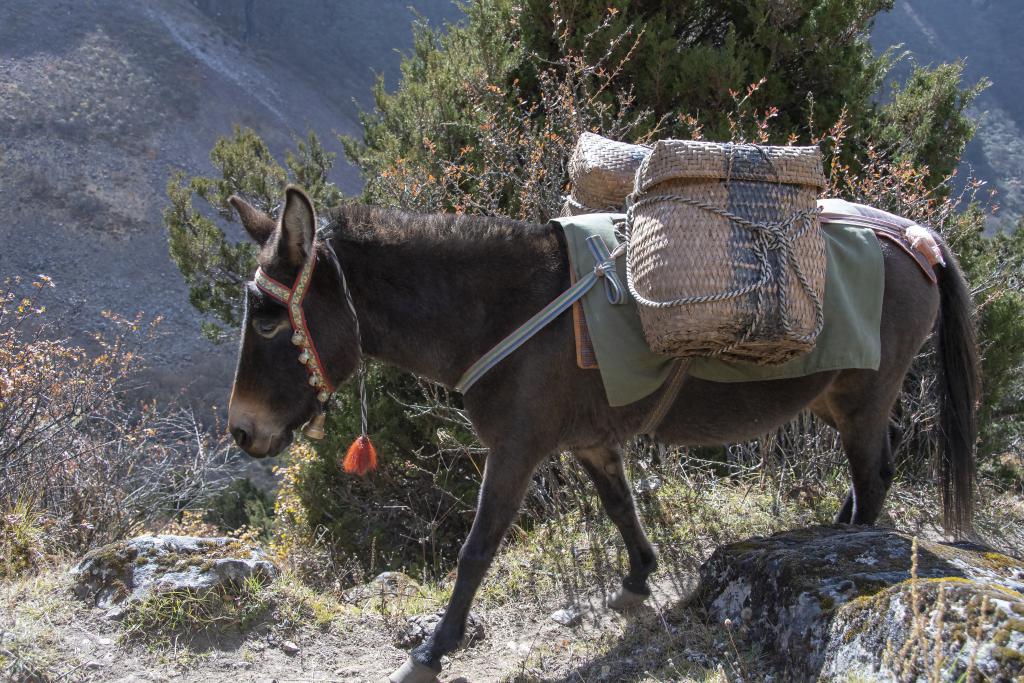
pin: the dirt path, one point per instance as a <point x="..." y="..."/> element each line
<point x="66" y="641"/>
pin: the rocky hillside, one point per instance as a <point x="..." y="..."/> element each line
<point x="101" y="101"/>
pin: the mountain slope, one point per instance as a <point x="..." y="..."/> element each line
<point x="986" y="33"/>
<point x="101" y="101"/>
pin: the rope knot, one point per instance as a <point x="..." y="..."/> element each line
<point x="777" y="236"/>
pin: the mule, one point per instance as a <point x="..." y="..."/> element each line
<point x="432" y="293"/>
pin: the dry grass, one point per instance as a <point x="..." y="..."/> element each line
<point x="577" y="557"/>
<point x="35" y="613"/>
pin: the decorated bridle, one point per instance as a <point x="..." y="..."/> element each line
<point x="361" y="456"/>
<point x="292" y="298"/>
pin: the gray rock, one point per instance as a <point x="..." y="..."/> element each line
<point x="115" y="613"/>
<point x="839" y="601"/>
<point x="570" y="616"/>
<point x="127" y="571"/>
<point x="974" y="626"/>
<point x="289" y="648"/>
<point x="418" y="628"/>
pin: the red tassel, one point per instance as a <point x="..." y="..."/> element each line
<point x="361" y="456"/>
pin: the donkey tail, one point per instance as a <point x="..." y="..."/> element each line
<point x="959" y="385"/>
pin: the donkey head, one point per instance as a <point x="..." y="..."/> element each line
<point x="272" y="395"/>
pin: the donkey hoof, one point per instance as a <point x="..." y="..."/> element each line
<point x="413" y="672"/>
<point x="623" y="599"/>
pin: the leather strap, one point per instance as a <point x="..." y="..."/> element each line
<point x="669" y="392"/>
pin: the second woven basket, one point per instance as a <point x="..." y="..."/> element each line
<point x="601" y="174"/>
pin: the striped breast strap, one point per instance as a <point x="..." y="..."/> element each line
<point x="603" y="270"/>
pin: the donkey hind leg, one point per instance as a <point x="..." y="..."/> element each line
<point x="873" y="488"/>
<point x="506" y="478"/>
<point x="867" y="441"/>
<point x="604" y="465"/>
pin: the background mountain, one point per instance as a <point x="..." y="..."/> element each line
<point x="101" y="100"/>
<point x="987" y="35"/>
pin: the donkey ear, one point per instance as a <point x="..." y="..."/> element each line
<point x="298" y="225"/>
<point x="259" y="225"/>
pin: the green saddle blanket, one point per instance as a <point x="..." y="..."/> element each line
<point x="854" y="284"/>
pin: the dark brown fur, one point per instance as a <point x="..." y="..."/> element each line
<point x="433" y="293"/>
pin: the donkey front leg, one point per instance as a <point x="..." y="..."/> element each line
<point x="606" y="470"/>
<point x="506" y="477"/>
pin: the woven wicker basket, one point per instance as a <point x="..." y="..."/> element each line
<point x="601" y="172"/>
<point x="725" y="253"/>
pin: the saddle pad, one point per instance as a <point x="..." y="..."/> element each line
<point x="888" y="226"/>
<point x="630" y="371"/>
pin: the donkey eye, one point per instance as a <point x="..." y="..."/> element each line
<point x="266" y="327"/>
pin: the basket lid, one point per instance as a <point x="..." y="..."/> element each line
<point x="680" y="159"/>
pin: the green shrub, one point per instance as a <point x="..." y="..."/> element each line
<point x="241" y="504"/>
<point x="318" y="504"/>
<point x="213" y="266"/>
<point x="414" y="510"/>
<point x="679" y="68"/>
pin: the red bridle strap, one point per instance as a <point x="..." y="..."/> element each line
<point x="292" y="298"/>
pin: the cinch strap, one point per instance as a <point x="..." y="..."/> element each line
<point x="605" y="269"/>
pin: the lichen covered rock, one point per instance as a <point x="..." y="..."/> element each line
<point x="132" y="569"/>
<point x="829" y="602"/>
<point x="909" y="630"/>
